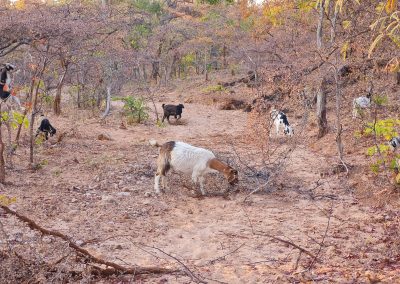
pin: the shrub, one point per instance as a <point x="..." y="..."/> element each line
<point x="135" y="109"/>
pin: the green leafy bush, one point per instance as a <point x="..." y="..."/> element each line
<point x="135" y="109"/>
<point x="213" y="89"/>
<point x="381" y="132"/>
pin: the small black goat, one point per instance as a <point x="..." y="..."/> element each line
<point x="172" y="110"/>
<point x="46" y="128"/>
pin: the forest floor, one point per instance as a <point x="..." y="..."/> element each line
<point x="100" y="193"/>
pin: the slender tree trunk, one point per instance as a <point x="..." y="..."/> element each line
<point x="31" y="135"/>
<point x="398" y="78"/>
<point x="30" y="94"/>
<point x="205" y="65"/>
<point x="333" y="21"/>
<point x="321" y="110"/>
<point x="78" y="99"/>
<point x="144" y="72"/>
<point x="197" y="62"/>
<point x="225" y="63"/>
<point x="108" y="103"/>
<point x="57" y="100"/>
<point x="320" y="23"/>
<point x="339" y="143"/>
<point x="2" y="163"/>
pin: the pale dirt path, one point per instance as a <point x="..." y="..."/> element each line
<point x="96" y="190"/>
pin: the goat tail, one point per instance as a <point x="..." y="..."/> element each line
<point x="154" y="143"/>
<point x="163" y="105"/>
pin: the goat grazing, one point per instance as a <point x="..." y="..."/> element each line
<point x="46" y="128"/>
<point x="175" y="110"/>
<point x="188" y="159"/>
<point x="278" y="118"/>
<point x="361" y="103"/>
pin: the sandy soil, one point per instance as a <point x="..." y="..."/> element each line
<point x="100" y="193"/>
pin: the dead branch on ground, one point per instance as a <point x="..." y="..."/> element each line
<point x="261" y="233"/>
<point x="114" y="267"/>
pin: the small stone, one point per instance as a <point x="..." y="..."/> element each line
<point x="147" y="194"/>
<point x="190" y="211"/>
<point x="122" y="194"/>
<point x="104" y="136"/>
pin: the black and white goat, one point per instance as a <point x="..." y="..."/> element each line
<point x="361" y="103"/>
<point x="175" y="110"/>
<point x="278" y="118"/>
<point x="394" y="143"/>
<point x="45" y="127"/>
<point x="190" y="160"/>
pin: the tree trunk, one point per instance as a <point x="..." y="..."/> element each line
<point x="398" y="78"/>
<point x="321" y="111"/>
<point x="108" y="103"/>
<point x="225" y="63"/>
<point x="197" y="62"/>
<point x="2" y="163"/>
<point x="57" y="100"/>
<point x="320" y="23"/>
<point x="333" y="21"/>
<point x="339" y="143"/>
<point x="205" y="65"/>
<point x="144" y="72"/>
<point x="155" y="72"/>
<point x="31" y="135"/>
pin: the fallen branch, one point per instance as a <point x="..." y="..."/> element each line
<point x="115" y="268"/>
<point x="260" y="233"/>
<point x="189" y="272"/>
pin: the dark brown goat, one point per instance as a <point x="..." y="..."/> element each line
<point x="175" y="110"/>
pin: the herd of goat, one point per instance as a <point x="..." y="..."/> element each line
<point x="196" y="161"/>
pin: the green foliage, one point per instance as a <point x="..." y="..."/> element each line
<point x="213" y="89"/>
<point x="138" y="36"/>
<point x="273" y="14"/>
<point x="211" y="15"/>
<point x="160" y="124"/>
<point x="6" y="201"/>
<point x="306" y="5"/>
<point x="188" y="59"/>
<point x="15" y="119"/>
<point x="380" y="100"/>
<point x="215" y="2"/>
<point x="247" y="24"/>
<point x="154" y="7"/>
<point x="47" y="99"/>
<point x="382" y="130"/>
<point x="135" y="109"/>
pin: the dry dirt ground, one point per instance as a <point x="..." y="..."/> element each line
<point x="100" y="193"/>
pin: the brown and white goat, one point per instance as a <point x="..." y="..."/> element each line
<point x="190" y="160"/>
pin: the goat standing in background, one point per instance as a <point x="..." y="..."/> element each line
<point x="361" y="103"/>
<point x="45" y="127"/>
<point x="279" y="117"/>
<point x="190" y="160"/>
<point x="175" y="110"/>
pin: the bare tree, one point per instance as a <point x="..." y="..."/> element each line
<point x="321" y="110"/>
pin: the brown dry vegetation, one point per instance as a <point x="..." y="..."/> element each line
<point x="296" y="215"/>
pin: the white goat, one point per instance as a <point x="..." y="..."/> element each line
<point x="188" y="159"/>
<point x="361" y="103"/>
<point x="278" y="118"/>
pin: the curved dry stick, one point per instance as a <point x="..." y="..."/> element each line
<point x="115" y="268"/>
